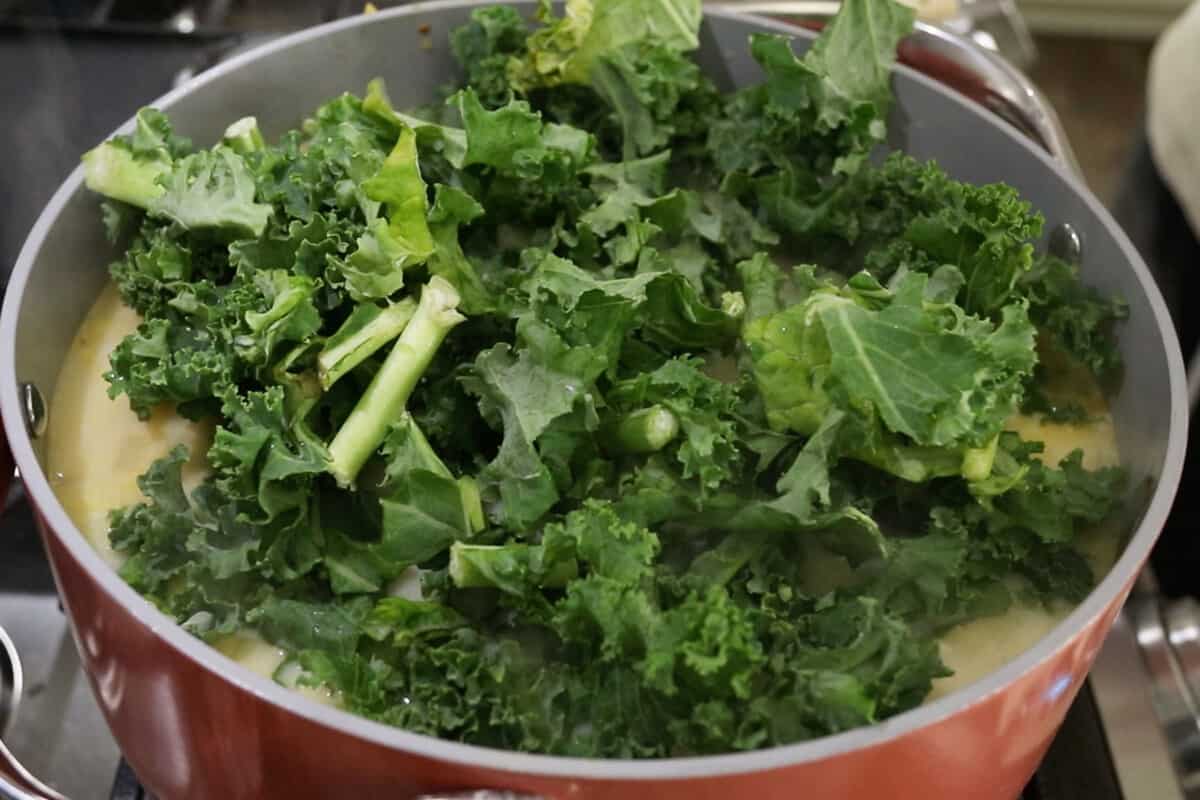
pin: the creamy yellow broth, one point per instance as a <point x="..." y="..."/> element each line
<point x="981" y="646"/>
<point x="260" y="656"/>
<point x="97" y="447"/>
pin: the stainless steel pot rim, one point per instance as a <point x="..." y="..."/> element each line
<point x="503" y="761"/>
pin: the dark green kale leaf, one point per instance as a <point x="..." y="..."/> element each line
<point x="530" y="168"/>
<point x="129" y="168"/>
<point x="212" y="189"/>
<point x="814" y="117"/>
<point x="703" y="406"/>
<point x="1050" y="407"/>
<point x="263" y="456"/>
<point x="922" y="382"/>
<point x="192" y="559"/>
<point x="483" y="48"/>
<point x="453" y="208"/>
<point x="1078" y="318"/>
<point x="566" y="49"/>
<point x="166" y="363"/>
<point x="644" y="83"/>
<point x="522" y="393"/>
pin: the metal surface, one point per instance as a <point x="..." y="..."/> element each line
<point x="73" y="89"/>
<point x="1168" y="639"/>
<point x="1025" y="99"/>
<point x="1183" y="632"/>
<point x="33" y="406"/>
<point x="1066" y="243"/>
<point x="217" y="53"/>
<point x="1137" y="744"/>
<point x="59" y="734"/>
<point x="1002" y="22"/>
<point x="11" y="689"/>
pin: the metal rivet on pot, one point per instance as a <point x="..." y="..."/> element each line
<point x="1066" y="243"/>
<point x="34" y="408"/>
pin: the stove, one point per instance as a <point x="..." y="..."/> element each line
<point x="75" y="69"/>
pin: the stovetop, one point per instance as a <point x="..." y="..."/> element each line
<point x="76" y="69"/>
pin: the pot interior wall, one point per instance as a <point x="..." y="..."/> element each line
<point x="281" y="84"/>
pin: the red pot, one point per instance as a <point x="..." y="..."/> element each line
<point x="193" y="724"/>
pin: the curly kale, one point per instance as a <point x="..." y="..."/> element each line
<point x="525" y="434"/>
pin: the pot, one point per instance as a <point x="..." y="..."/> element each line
<point x="193" y="724"/>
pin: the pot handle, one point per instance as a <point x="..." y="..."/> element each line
<point x="16" y="782"/>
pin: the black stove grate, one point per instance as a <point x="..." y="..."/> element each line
<point x="1078" y="764"/>
<point x="126" y="785"/>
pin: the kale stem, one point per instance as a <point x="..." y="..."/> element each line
<point x="116" y="172"/>
<point x="468" y="489"/>
<point x="383" y="402"/>
<point x="978" y="461"/>
<point x="480" y="566"/>
<point x="365" y="331"/>
<point x="647" y="430"/>
<point x="243" y="136"/>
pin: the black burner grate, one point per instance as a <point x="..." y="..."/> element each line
<point x="1079" y="764"/>
<point x="126" y="786"/>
